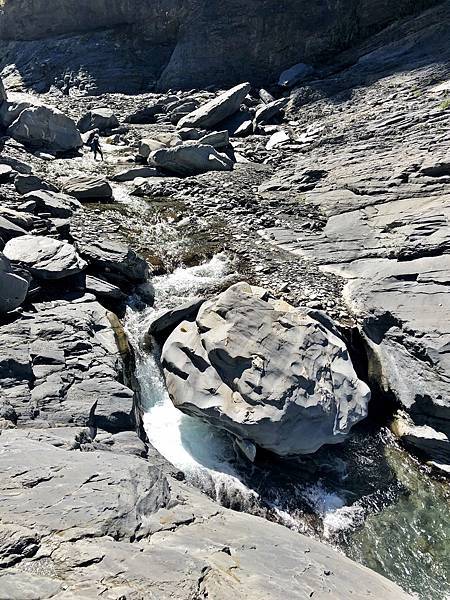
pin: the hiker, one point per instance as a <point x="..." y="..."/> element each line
<point x="94" y="143"/>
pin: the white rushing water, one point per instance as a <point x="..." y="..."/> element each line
<point x="203" y="453"/>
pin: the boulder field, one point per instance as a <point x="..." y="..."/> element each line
<point x="328" y="193"/>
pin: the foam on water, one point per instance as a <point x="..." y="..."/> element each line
<point x="336" y="516"/>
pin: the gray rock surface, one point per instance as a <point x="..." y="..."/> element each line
<point x="45" y="127"/>
<point x="85" y="516"/>
<point x="88" y="188"/>
<point x="62" y="367"/>
<point x="115" y="260"/>
<point x="265" y="372"/>
<point x="218" y="109"/>
<point x="58" y="205"/>
<point x="130" y="174"/>
<point x="9" y="230"/>
<point x="191" y="159"/>
<point x="13" y="286"/>
<point x="181" y="44"/>
<point x="98" y="118"/>
<point x="31" y="183"/>
<point x="44" y="257"/>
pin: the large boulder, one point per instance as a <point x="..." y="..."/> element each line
<point x="44" y="257"/>
<point x="61" y="206"/>
<point x="13" y="286"/>
<point x="191" y="159"/>
<point x="31" y="183"/>
<point x="115" y="261"/>
<point x="46" y="127"/>
<point x="98" y="118"/>
<point x="218" y="109"/>
<point x="265" y="371"/>
<point x="88" y="188"/>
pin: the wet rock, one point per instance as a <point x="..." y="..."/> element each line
<point x="42" y="126"/>
<point x="13" y="286"/>
<point x="32" y="183"/>
<point x="269" y="373"/>
<point x="295" y="75"/>
<point x="116" y="261"/>
<point x="218" y="109"/>
<point x="191" y="159"/>
<point x="44" y="257"/>
<point x="88" y="188"/>
<point x="98" y="118"/>
<point x="131" y="174"/>
<point x="61" y="206"/>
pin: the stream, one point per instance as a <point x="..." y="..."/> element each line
<point x="367" y="497"/>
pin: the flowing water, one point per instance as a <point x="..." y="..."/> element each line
<point x="366" y="497"/>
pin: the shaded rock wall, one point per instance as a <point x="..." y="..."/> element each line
<point x="198" y="43"/>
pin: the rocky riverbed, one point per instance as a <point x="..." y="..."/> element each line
<point x="224" y="355"/>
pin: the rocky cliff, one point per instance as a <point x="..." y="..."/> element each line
<point x="183" y="43"/>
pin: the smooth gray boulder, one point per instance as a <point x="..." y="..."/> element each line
<point x="61" y="206"/>
<point x="31" y="183"/>
<point x="44" y="257"/>
<point x="265" y="371"/>
<point x="295" y="75"/>
<point x="216" y="139"/>
<point x="216" y="110"/>
<point x="191" y="159"/>
<point x="157" y="141"/>
<point x="13" y="286"/>
<point x="88" y="188"/>
<point x="115" y="261"/>
<point x="131" y="174"/>
<point x="98" y="118"/>
<point x="46" y="127"/>
<point x="166" y="322"/>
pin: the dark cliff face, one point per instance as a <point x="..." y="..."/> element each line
<point x="208" y="42"/>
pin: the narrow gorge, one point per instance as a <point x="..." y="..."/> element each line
<point x="224" y="308"/>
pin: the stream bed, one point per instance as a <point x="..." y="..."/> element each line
<point x="367" y="497"/>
